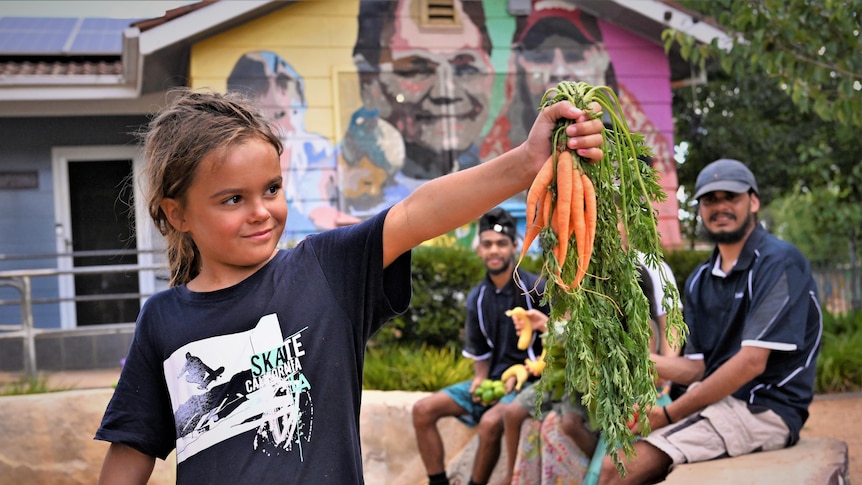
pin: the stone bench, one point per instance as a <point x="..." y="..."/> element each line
<point x="391" y="457"/>
<point x="48" y="439"/>
<point x="812" y="461"/>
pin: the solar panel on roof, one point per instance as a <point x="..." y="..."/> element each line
<point x="38" y="23"/>
<point x="34" y="34"/>
<point x="58" y="36"/>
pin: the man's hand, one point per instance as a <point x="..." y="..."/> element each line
<point x="536" y="319"/>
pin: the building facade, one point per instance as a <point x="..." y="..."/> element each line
<point x="372" y="99"/>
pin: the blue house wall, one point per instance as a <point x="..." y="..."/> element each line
<point x="27" y="215"/>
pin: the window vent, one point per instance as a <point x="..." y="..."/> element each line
<point x="439" y="12"/>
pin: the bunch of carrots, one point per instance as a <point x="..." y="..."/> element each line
<point x="562" y="200"/>
<point x="597" y="343"/>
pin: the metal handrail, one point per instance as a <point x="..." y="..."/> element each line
<point x="79" y="254"/>
<point x="21" y="281"/>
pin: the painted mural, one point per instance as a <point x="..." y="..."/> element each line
<point x="422" y="102"/>
<point x="308" y="162"/>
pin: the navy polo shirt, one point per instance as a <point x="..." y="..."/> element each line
<point x="489" y="333"/>
<point x="769" y="300"/>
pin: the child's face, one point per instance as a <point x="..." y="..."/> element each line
<point x="235" y="210"/>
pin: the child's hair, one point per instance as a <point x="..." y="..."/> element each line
<point x="191" y="127"/>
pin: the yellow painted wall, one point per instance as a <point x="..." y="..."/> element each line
<point x="315" y="37"/>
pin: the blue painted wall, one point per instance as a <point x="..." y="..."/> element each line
<point x="27" y="216"/>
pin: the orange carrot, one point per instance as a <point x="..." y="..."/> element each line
<point x="538" y="189"/>
<point x="579" y="227"/>
<point x="590" y="219"/>
<point x="563" y="209"/>
<point x="547" y="204"/>
<point x="590" y="211"/>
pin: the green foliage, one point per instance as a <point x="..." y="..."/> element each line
<point x="414" y="368"/>
<point x="810" y="50"/>
<point x="744" y="119"/>
<point x="605" y="316"/>
<point x="839" y="367"/>
<point x="37" y="384"/>
<point x="442" y="278"/>
<point x="826" y="229"/>
<point x="532" y="263"/>
<point x="391" y="365"/>
<point x="787" y="102"/>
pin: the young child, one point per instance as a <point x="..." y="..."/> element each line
<point x="250" y="365"/>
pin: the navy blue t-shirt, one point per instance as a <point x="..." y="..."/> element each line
<point x="261" y="382"/>
<point x="769" y="300"/>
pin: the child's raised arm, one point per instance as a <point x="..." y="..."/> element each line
<point x="448" y="202"/>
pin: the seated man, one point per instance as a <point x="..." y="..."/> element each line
<point x="492" y="343"/>
<point x="754" y="333"/>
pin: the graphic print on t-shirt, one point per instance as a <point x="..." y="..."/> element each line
<point x="229" y="384"/>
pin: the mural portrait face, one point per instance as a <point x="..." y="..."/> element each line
<point x="275" y="86"/>
<point x="436" y="97"/>
<point x="560" y="58"/>
<point x="308" y="160"/>
<point x="554" y="45"/>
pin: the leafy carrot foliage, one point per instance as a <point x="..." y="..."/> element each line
<point x="599" y="327"/>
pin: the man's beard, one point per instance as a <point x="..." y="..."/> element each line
<point x="500" y="270"/>
<point x="728" y="237"/>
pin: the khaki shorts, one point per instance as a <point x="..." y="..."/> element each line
<point x="726" y="428"/>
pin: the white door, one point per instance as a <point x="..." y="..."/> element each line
<point x="97" y="208"/>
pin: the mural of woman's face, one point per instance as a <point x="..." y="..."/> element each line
<point x="437" y="98"/>
<point x="561" y="58"/>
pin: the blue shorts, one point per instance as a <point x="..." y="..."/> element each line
<point x="460" y="393"/>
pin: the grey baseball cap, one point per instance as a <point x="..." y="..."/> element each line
<point x="726" y="175"/>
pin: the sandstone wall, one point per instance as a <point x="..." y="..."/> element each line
<point x="47" y="439"/>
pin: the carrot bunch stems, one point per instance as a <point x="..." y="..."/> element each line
<point x="598" y="343"/>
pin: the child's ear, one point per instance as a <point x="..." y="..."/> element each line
<point x="174" y="213"/>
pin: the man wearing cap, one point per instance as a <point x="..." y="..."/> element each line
<point x="491" y="341"/>
<point x="750" y="357"/>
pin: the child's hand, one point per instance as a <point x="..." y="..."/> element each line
<point x="585" y="135"/>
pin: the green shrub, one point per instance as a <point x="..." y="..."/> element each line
<point x="442" y="277"/>
<point x="414" y="368"/>
<point x="839" y="367"/>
